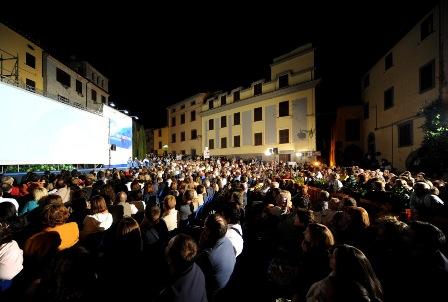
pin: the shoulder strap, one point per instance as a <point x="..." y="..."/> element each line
<point x="236" y="230"/>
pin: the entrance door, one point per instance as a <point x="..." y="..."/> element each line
<point x="284" y="157"/>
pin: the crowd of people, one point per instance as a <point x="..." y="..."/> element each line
<point x="223" y="230"/>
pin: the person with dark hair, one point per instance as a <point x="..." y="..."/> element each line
<point x="352" y="278"/>
<point x="426" y="274"/>
<point x="217" y="258"/>
<point x="188" y="281"/>
<point x="232" y="213"/>
<point x="70" y="276"/>
<point x="99" y="219"/>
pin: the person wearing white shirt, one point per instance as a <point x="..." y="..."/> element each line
<point x="232" y="214"/>
<point x="99" y="219"/>
<point x="11" y="200"/>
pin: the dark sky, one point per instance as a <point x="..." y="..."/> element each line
<point x="158" y="56"/>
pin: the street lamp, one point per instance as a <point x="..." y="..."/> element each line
<point x="124" y="111"/>
<point x="135" y="117"/>
<point x="112" y="104"/>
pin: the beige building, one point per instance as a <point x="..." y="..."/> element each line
<point x="20" y="60"/>
<point x="269" y="117"/>
<point x="184" y="126"/>
<point x="400" y="84"/>
<point x="160" y="139"/>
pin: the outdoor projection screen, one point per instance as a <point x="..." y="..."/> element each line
<point x="120" y="135"/>
<point x="39" y="130"/>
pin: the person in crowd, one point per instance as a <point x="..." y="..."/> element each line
<point x="11" y="257"/>
<point x="217" y="257"/>
<point x="99" y="219"/>
<point x="352" y="278"/>
<point x="187" y="279"/>
<point x="170" y="213"/>
<point x="38" y="194"/>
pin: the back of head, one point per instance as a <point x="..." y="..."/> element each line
<point x="181" y="252"/>
<point x="349" y="202"/>
<point x="426" y="237"/>
<point x="215" y="228"/>
<point x="55" y="214"/>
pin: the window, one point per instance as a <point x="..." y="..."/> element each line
<point x="405" y="137"/>
<point x="103" y="99"/>
<point x="211" y="144"/>
<point x="236" y="96"/>
<point x="173" y="110"/>
<point x="160" y="145"/>
<point x="62" y="77"/>
<point x="173" y="137"/>
<point x="173" y="121"/>
<point x="193" y="103"/>
<point x="211" y="124"/>
<point x="223" y="100"/>
<point x="30" y="60"/>
<point x="223" y="142"/>
<point x="78" y="87"/>
<point x="194" y="134"/>
<point x="98" y="80"/>
<point x="237" y="141"/>
<point x="182" y="118"/>
<point x="388" y="61"/>
<point x="258" y="89"/>
<point x="236" y="118"/>
<point x="258" y="114"/>
<point x="223" y="121"/>
<point x="427" y="76"/>
<point x="283" y="108"/>
<point x="426" y="27"/>
<point x="93" y="92"/>
<point x="30" y="85"/>
<point x="210" y="104"/>
<point x="352" y="130"/>
<point x="182" y="136"/>
<point x="93" y="77"/>
<point x="160" y="132"/>
<point x="389" y="98"/>
<point x="182" y="152"/>
<point x="102" y="83"/>
<point x="283" y="81"/>
<point x="283" y="136"/>
<point x="366" y="81"/>
<point x="193" y="115"/>
<point x="182" y="106"/>
<point x="258" y="139"/>
<point x="366" y="110"/>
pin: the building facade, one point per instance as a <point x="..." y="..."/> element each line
<point x="97" y="85"/>
<point x="269" y="118"/>
<point x="63" y="83"/>
<point x="184" y="126"/>
<point x="346" y="136"/>
<point x="20" y="60"/>
<point x="149" y="134"/>
<point x="409" y="76"/>
<point x="160" y="138"/>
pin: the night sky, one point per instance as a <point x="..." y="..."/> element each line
<point x="156" y="57"/>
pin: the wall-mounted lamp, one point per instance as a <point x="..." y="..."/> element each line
<point x="112" y="104"/>
<point x="135" y="117"/>
<point x="124" y="111"/>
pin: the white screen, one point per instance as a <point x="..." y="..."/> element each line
<point x="39" y="130"/>
<point x="120" y="135"/>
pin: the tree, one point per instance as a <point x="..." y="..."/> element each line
<point x="139" y="149"/>
<point x="434" y="150"/>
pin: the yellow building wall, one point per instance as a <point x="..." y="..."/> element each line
<point x="409" y="55"/>
<point x="189" y="144"/>
<point x="163" y="139"/>
<point x="259" y="126"/>
<point x="294" y="65"/>
<point x="13" y="44"/>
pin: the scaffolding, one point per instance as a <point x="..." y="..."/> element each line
<point x="9" y="67"/>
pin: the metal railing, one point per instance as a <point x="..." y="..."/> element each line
<point x="55" y="97"/>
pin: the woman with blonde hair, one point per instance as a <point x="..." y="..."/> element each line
<point x="170" y="213"/>
<point x="38" y="194"/>
<point x="99" y="219"/>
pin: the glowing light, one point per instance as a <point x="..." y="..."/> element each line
<point x="268" y="152"/>
<point x="316" y="164"/>
<point x="298" y="154"/>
